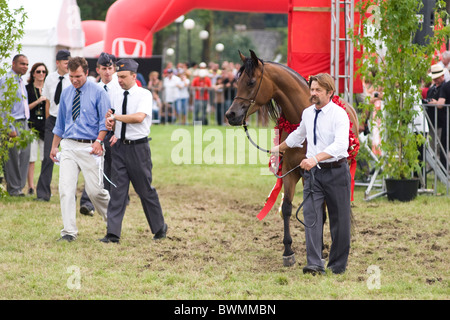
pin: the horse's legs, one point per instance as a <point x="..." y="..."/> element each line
<point x="289" y="183"/>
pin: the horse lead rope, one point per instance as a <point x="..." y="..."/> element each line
<point x="312" y="180"/>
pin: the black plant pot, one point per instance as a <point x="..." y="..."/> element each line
<point x="402" y="189"/>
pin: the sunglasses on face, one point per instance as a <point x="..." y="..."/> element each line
<point x="41" y="71"/>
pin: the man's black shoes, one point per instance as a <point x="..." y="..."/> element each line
<point x="161" y="234"/>
<point x="67" y="238"/>
<point x="86" y="211"/>
<point x="110" y="238"/>
<point x="313" y="270"/>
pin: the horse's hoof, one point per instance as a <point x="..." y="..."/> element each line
<point x="289" y="261"/>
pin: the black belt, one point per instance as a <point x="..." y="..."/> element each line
<point x="83" y="140"/>
<point x="334" y="164"/>
<point x="138" y="141"/>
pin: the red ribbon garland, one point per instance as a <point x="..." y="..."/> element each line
<point x="285" y="125"/>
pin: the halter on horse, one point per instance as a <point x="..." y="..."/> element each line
<point x="259" y="83"/>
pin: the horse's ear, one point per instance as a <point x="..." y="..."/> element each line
<point x="242" y="56"/>
<point x="254" y="57"/>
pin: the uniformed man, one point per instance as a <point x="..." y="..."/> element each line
<point x="131" y="156"/>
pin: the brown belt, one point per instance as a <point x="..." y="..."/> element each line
<point x="331" y="165"/>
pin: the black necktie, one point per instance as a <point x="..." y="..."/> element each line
<point x="58" y="90"/>
<point x="124" y="111"/>
<point x="315" y="121"/>
<point x="105" y="87"/>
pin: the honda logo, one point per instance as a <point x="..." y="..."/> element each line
<point x="128" y="48"/>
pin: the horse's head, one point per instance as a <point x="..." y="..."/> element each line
<point x="252" y="92"/>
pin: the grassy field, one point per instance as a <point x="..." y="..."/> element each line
<point x="216" y="247"/>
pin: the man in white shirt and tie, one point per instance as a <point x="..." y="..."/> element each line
<point x="54" y="84"/>
<point x="325" y="126"/>
<point x="131" y="156"/>
<point x="16" y="168"/>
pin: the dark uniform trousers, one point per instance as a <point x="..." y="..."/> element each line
<point x="132" y="163"/>
<point x="43" y="190"/>
<point x="331" y="185"/>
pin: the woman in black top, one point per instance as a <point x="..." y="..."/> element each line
<point x="36" y="102"/>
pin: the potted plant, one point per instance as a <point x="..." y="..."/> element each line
<point x="386" y="40"/>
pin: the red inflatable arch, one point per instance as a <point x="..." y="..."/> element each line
<point x="130" y="25"/>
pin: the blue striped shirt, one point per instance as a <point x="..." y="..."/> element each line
<point x="94" y="105"/>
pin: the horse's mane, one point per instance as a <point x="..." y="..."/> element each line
<point x="249" y="66"/>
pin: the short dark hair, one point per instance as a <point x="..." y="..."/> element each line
<point x="17" y="56"/>
<point x="76" y="62"/>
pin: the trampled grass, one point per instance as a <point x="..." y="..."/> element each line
<point x="216" y="248"/>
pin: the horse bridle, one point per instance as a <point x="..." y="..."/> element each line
<point x="252" y="101"/>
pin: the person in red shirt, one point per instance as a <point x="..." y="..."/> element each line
<point x="201" y="85"/>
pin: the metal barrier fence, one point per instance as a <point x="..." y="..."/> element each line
<point x="436" y="147"/>
<point x="433" y="123"/>
<point x="205" y="105"/>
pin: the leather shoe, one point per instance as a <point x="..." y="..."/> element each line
<point x="313" y="270"/>
<point x="41" y="200"/>
<point x="161" y="234"/>
<point x="85" y="210"/>
<point x="110" y="238"/>
<point x="67" y="238"/>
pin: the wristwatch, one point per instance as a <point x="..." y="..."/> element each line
<point x="99" y="141"/>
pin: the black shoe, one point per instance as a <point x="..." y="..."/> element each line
<point x="313" y="270"/>
<point x="336" y="271"/>
<point x="161" y="234"/>
<point x="41" y="199"/>
<point x="67" y="238"/>
<point x="110" y="238"/>
<point x="30" y="191"/>
<point x="86" y="211"/>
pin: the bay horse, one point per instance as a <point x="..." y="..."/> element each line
<point x="259" y="82"/>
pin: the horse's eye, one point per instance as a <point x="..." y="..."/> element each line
<point x="251" y="82"/>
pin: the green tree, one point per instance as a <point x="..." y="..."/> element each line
<point x="11" y="31"/>
<point x="400" y="64"/>
<point x="94" y="10"/>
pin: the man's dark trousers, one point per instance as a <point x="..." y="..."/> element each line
<point x="43" y="190"/>
<point x="132" y="163"/>
<point x="331" y="185"/>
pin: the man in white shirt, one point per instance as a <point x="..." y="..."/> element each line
<point x="445" y="64"/>
<point x="131" y="156"/>
<point x="16" y="167"/>
<point x="171" y="95"/>
<point x="54" y="84"/>
<point x="325" y="126"/>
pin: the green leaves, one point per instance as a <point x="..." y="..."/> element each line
<point x="11" y="31"/>
<point x="396" y="65"/>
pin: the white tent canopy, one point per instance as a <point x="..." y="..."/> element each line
<point x="51" y="25"/>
